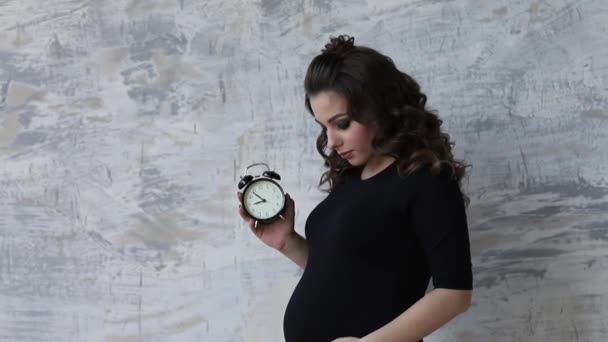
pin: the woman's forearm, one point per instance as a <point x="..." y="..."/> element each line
<point x="427" y="315"/>
<point x="296" y="249"/>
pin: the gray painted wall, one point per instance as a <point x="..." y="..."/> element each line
<point x="124" y="126"/>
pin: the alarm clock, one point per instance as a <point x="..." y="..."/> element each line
<point x="263" y="197"/>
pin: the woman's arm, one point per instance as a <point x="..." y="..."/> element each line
<point x="445" y="241"/>
<point x="296" y="249"/>
<point x="431" y="312"/>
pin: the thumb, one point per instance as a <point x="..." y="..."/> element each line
<point x="289" y="203"/>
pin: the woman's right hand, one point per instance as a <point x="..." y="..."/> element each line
<point x="275" y="234"/>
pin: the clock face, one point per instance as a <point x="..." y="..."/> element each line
<point x="263" y="199"/>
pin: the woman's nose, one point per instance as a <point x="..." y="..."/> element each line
<point x="332" y="140"/>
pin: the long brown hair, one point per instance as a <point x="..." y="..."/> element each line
<point x="380" y="96"/>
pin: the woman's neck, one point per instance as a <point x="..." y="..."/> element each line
<point x="374" y="165"/>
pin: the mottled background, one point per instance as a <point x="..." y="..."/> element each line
<point x="124" y="127"/>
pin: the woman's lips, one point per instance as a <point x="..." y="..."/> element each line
<point x="346" y="155"/>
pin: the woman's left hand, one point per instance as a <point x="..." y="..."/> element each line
<point x="347" y="339"/>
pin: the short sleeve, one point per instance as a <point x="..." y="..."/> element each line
<point x="438" y="216"/>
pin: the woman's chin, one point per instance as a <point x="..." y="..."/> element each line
<point x="354" y="162"/>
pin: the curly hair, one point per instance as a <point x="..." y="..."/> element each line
<point x="380" y="96"/>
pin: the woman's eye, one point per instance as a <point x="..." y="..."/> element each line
<point x="343" y="124"/>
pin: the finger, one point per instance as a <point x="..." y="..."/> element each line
<point x="288" y="200"/>
<point x="290" y="206"/>
<point x="253" y="225"/>
<point x="249" y="221"/>
<point x="243" y="214"/>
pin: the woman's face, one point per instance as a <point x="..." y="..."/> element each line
<point x="349" y="138"/>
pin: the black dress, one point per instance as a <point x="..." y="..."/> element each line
<point x="374" y="244"/>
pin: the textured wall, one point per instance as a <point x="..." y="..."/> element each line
<point x="124" y="126"/>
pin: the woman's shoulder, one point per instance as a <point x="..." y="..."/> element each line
<point x="430" y="190"/>
<point x="427" y="177"/>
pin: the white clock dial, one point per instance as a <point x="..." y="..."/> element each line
<point x="263" y="199"/>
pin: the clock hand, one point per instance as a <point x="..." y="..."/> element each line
<point x="259" y="202"/>
<point x="259" y="197"/>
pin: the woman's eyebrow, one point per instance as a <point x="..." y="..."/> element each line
<point x="332" y="118"/>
